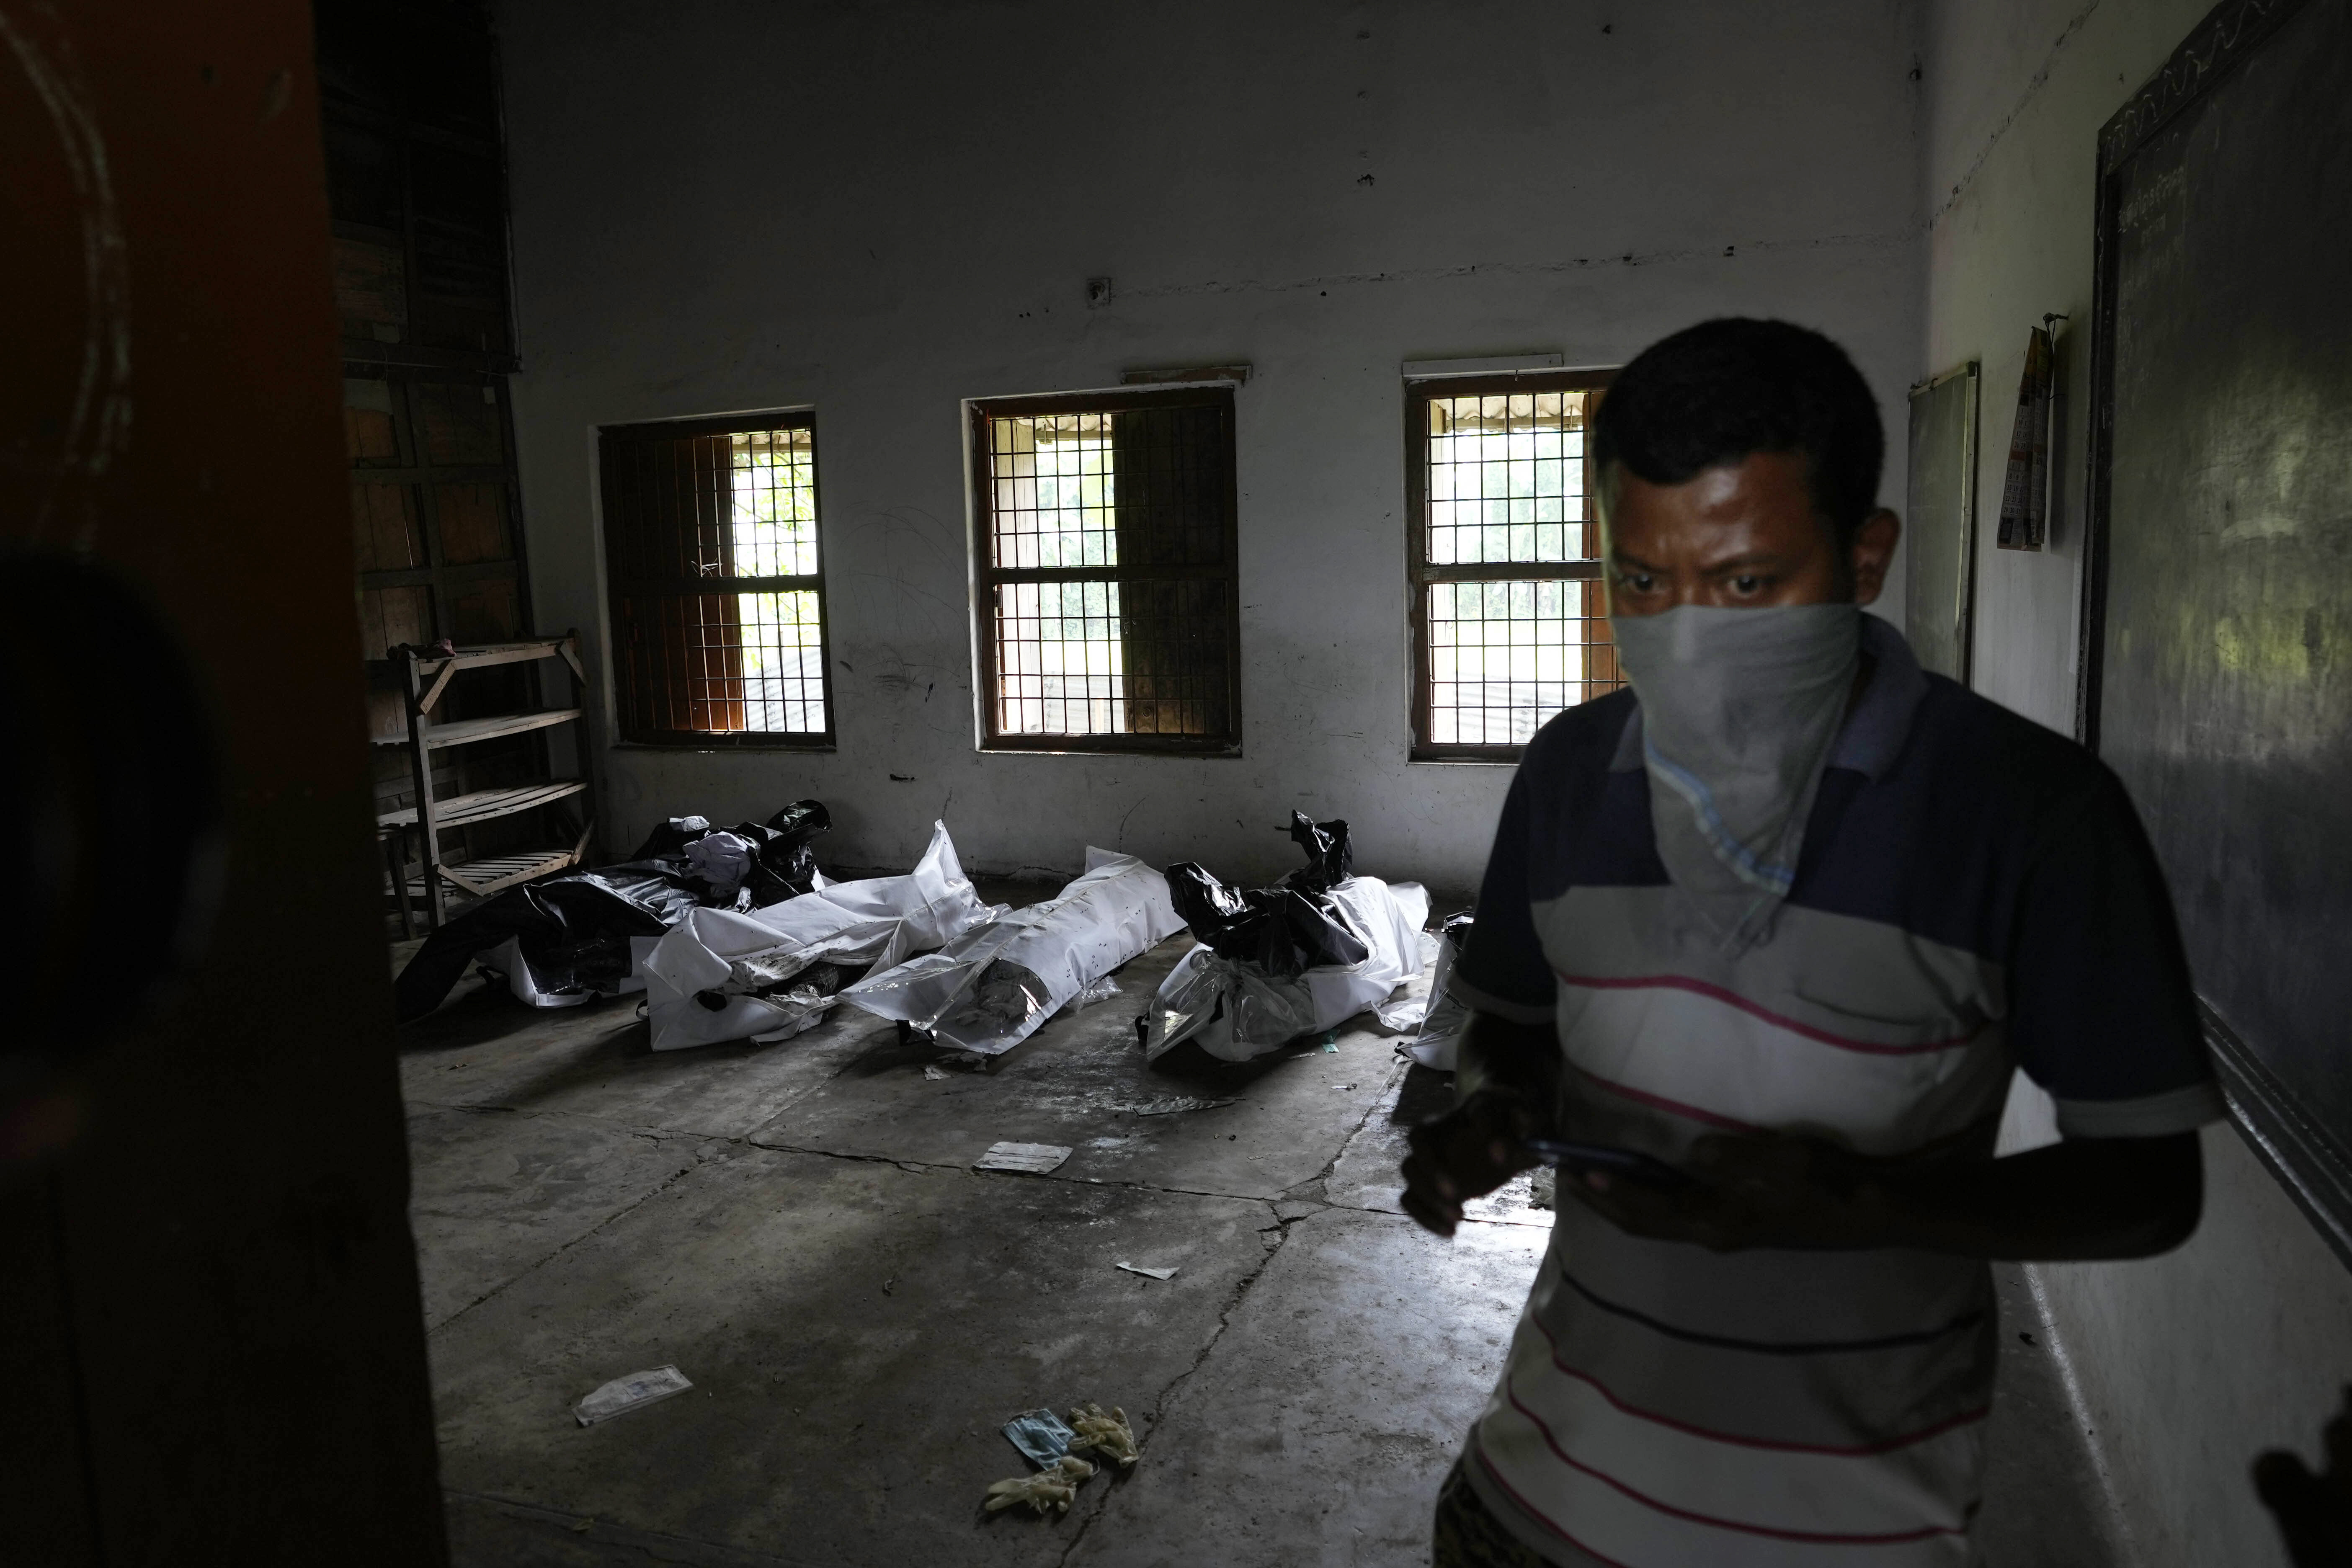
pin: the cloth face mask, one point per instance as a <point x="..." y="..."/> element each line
<point x="1739" y="711"/>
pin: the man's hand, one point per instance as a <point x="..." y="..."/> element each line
<point x="1467" y="1153"/>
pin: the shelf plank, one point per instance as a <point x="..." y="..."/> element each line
<point x="466" y="729"/>
<point x="490" y="873"/>
<point x="495" y="873"/>
<point x="483" y="805"/>
<point x="496" y="653"/>
<point x="389" y="669"/>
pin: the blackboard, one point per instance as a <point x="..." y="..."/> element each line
<point x="1940" y="534"/>
<point x="2217" y="661"/>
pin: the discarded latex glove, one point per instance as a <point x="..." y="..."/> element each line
<point x="1107" y="1437"/>
<point x="1051" y="1490"/>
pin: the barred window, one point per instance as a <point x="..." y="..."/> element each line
<point x="1510" y="618"/>
<point x="1104" y="535"/>
<point x="717" y="581"/>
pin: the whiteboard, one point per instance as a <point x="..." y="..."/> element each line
<point x="1939" y="521"/>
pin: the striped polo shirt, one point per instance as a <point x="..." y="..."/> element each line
<point x="1974" y="895"/>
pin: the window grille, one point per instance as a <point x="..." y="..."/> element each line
<point x="1510" y="616"/>
<point x="1105" y="541"/>
<point x="717" y="581"/>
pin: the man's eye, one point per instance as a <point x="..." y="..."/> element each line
<point x="1640" y="582"/>
<point x="1746" y="585"/>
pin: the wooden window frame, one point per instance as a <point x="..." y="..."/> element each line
<point x="987" y="576"/>
<point x="1421" y="574"/>
<point x="612" y="438"/>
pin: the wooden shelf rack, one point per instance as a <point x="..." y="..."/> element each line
<point x="425" y="679"/>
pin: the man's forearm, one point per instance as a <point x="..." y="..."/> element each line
<point x="1520" y="1061"/>
<point x="2078" y="1201"/>
<point x="2082" y="1200"/>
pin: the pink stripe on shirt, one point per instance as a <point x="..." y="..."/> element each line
<point x="1733" y="999"/>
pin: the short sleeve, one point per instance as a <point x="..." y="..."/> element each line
<point x="2101" y="1013"/>
<point x="1502" y="970"/>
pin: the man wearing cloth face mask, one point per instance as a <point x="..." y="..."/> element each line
<point x="1784" y="917"/>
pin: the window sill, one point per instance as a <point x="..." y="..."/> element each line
<point x="1159" y="753"/>
<point x="727" y="748"/>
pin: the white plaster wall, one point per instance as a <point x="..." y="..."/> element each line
<point x="2015" y="93"/>
<point x="881" y="210"/>
<point x="2185" y="1366"/>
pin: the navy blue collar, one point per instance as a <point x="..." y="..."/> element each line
<point x="1874" y="731"/>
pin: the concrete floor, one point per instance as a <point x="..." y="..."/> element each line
<point x="797" y="1228"/>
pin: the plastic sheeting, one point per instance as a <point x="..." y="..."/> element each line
<point x="990" y="989"/>
<point x="1403" y="1011"/>
<point x="1236" y="1009"/>
<point x="1439" y="1044"/>
<point x="727" y="975"/>
<point x="566" y="938"/>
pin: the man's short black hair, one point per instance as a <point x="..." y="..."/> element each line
<point x="1718" y="392"/>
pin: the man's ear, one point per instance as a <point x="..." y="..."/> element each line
<point x="1872" y="552"/>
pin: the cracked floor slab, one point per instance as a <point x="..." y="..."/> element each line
<point x="492" y="1196"/>
<point x="1317" y="1429"/>
<point x="594" y="1060"/>
<point x="855" y="1333"/>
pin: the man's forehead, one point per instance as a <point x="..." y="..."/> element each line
<point x="1766" y="471"/>
<point x="1729" y="510"/>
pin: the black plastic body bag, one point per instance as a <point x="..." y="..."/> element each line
<point x="571" y="932"/>
<point x="1285" y="928"/>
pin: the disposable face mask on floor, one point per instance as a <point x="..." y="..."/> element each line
<point x="1040" y="1436"/>
<point x="1738" y="712"/>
